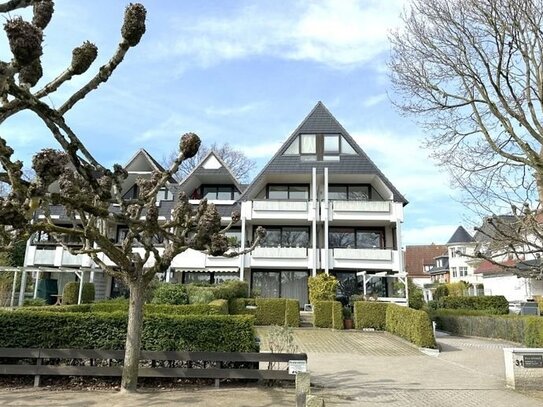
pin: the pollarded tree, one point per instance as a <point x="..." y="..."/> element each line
<point x="471" y="72"/>
<point x="89" y="192"/>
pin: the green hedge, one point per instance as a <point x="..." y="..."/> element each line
<point x="277" y="311"/>
<point x="370" y="314"/>
<point x="522" y="329"/>
<point x="231" y="289"/>
<point x="328" y="314"/>
<point x="495" y="304"/>
<point x="322" y="287"/>
<point x="218" y="333"/>
<point x="238" y="306"/>
<point x="410" y="324"/>
<point x="169" y="293"/>
<point x="70" y="293"/>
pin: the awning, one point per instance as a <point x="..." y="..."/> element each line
<point x="209" y="270"/>
<point x="45" y="269"/>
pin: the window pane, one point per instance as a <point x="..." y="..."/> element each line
<point x="278" y="192"/>
<point x="224" y="193"/>
<point x="331" y="143"/>
<point x="337" y="192"/>
<point x="196" y="277"/>
<point x="298" y="192"/>
<point x="234" y="237"/>
<point x="272" y="239"/>
<point x="341" y="238"/>
<point x="359" y="193"/>
<point x="309" y="145"/>
<point x="346" y="147"/>
<point x="266" y="283"/>
<point x="222" y="277"/>
<point x="294" y="237"/>
<point x="294" y="148"/>
<point x="210" y="193"/>
<point x="294" y="285"/>
<point x="368" y="240"/>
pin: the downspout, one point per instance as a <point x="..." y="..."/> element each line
<point x="314" y="223"/>
<point x="326" y="220"/>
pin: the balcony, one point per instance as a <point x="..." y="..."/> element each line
<point x="371" y="259"/>
<point x="71" y="260"/>
<point x="44" y="256"/>
<point x="275" y="209"/>
<point x="284" y="257"/>
<point x="364" y="210"/>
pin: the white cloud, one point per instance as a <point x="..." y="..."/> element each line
<point x="232" y="110"/>
<point x="438" y="234"/>
<point x="265" y="150"/>
<point x="374" y="100"/>
<point x="338" y="34"/>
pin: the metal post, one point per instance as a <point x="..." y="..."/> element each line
<point x="81" y="286"/>
<point x="36" y="285"/>
<point x="314" y="223"/>
<point x="242" y="246"/>
<point x="14" y="289"/>
<point x="23" y="288"/>
<point x="326" y="253"/>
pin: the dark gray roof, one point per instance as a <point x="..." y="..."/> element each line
<point x="461" y="236"/>
<point x="224" y="210"/>
<point x="320" y="121"/>
<point x="487" y="230"/>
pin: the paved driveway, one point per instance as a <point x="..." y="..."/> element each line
<point x="349" y="368"/>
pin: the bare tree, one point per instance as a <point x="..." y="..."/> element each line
<point x="471" y="73"/>
<point x="89" y="192"/>
<point x="240" y="165"/>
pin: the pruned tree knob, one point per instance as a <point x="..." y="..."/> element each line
<point x="43" y="11"/>
<point x="83" y="57"/>
<point x="260" y="232"/>
<point x="134" y="23"/>
<point x="189" y="145"/>
<point x="24" y="40"/>
<point x="236" y="216"/>
<point x="31" y="73"/>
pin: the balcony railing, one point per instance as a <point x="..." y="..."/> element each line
<point x="44" y="256"/>
<point x="69" y="259"/>
<point x="361" y="206"/>
<point x="290" y="206"/>
<point x="362" y="254"/>
<point x="279" y="252"/>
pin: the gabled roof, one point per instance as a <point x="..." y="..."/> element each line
<point x="418" y="256"/>
<point x="501" y="224"/>
<point x="220" y="174"/>
<point x="154" y="165"/>
<point x="321" y="121"/>
<point x="461" y="236"/>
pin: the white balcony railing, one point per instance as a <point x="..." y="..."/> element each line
<point x="361" y="206"/>
<point x="69" y="259"/>
<point x="363" y="254"/>
<point x="44" y="256"/>
<point x="281" y="206"/>
<point x="279" y="253"/>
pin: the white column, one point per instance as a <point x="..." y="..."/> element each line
<point x="242" y="246"/>
<point x="168" y="275"/>
<point x="14" y="289"/>
<point x="23" y="288"/>
<point x="364" y="282"/>
<point x="399" y="246"/>
<point x="81" y="280"/>
<point x="36" y="285"/>
<point x="314" y="224"/>
<point x="326" y="252"/>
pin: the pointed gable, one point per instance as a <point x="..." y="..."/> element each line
<point x="351" y="160"/>
<point x="461" y="236"/>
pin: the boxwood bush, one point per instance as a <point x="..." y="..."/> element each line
<point x="168" y="293"/>
<point x="322" y="287"/>
<point x="370" y="314"/>
<point x="328" y="314"/>
<point x="495" y="304"/>
<point x="70" y="293"/>
<point x="277" y="311"/>
<point x="219" y="333"/>
<point x="238" y="306"/>
<point x="515" y="328"/>
<point x="410" y="324"/>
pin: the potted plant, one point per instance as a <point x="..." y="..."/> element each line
<point x="347" y="318"/>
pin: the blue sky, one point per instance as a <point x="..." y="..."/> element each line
<point x="246" y="73"/>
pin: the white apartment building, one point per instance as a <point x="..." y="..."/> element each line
<point x="325" y="205"/>
<point x="461" y="266"/>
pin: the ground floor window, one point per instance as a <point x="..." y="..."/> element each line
<point x="280" y="284"/>
<point x="349" y="284"/>
<point x="198" y="277"/>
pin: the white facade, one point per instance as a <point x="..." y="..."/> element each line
<point x="512" y="287"/>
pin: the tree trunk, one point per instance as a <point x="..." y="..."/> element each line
<point x="133" y="336"/>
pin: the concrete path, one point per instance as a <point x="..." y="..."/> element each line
<point x="349" y="368"/>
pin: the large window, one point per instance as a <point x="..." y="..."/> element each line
<point x="286" y="192"/>
<point x="311" y="147"/>
<point x="219" y="192"/>
<point x="283" y="284"/>
<point x="351" y="238"/>
<point x="208" y="277"/>
<point x="286" y="236"/>
<point x="351" y="193"/>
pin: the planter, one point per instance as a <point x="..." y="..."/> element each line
<point x="348" y="323"/>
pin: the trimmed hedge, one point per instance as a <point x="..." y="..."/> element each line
<point x="328" y="314"/>
<point x="322" y="287"/>
<point x="410" y="324"/>
<point x="495" y="304"/>
<point x="238" y="306"/>
<point x="522" y="329"/>
<point x="168" y="293"/>
<point x="217" y="333"/>
<point x="370" y="314"/>
<point x="70" y="293"/>
<point x="277" y="311"/>
<point x="231" y="289"/>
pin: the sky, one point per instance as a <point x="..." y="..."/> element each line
<point x="246" y="73"/>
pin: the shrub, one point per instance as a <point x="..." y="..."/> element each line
<point x="216" y="333"/>
<point x="231" y="289"/>
<point x="70" y="293"/>
<point x="34" y="302"/>
<point x="220" y="305"/>
<point x="322" y="288"/>
<point x="514" y="328"/>
<point x="200" y="295"/>
<point x="370" y="314"/>
<point x="457" y="289"/>
<point x="412" y="325"/>
<point x="416" y="296"/>
<point x="347" y="313"/>
<point x="496" y="304"/>
<point x="168" y="293"/>
<point x="441" y="291"/>
<point x="328" y="314"/>
<point x="277" y="311"/>
<point x="238" y="306"/>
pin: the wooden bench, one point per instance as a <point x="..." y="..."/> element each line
<point x="217" y="371"/>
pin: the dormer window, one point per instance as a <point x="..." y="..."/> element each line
<point x="163" y="195"/>
<point x="219" y="192"/>
<point x="321" y="147"/>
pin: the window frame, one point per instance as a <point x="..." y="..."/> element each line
<point x="355" y="231"/>
<point x="281" y="229"/>
<point x="288" y="186"/>
<point x="348" y="186"/>
<point x="233" y="191"/>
